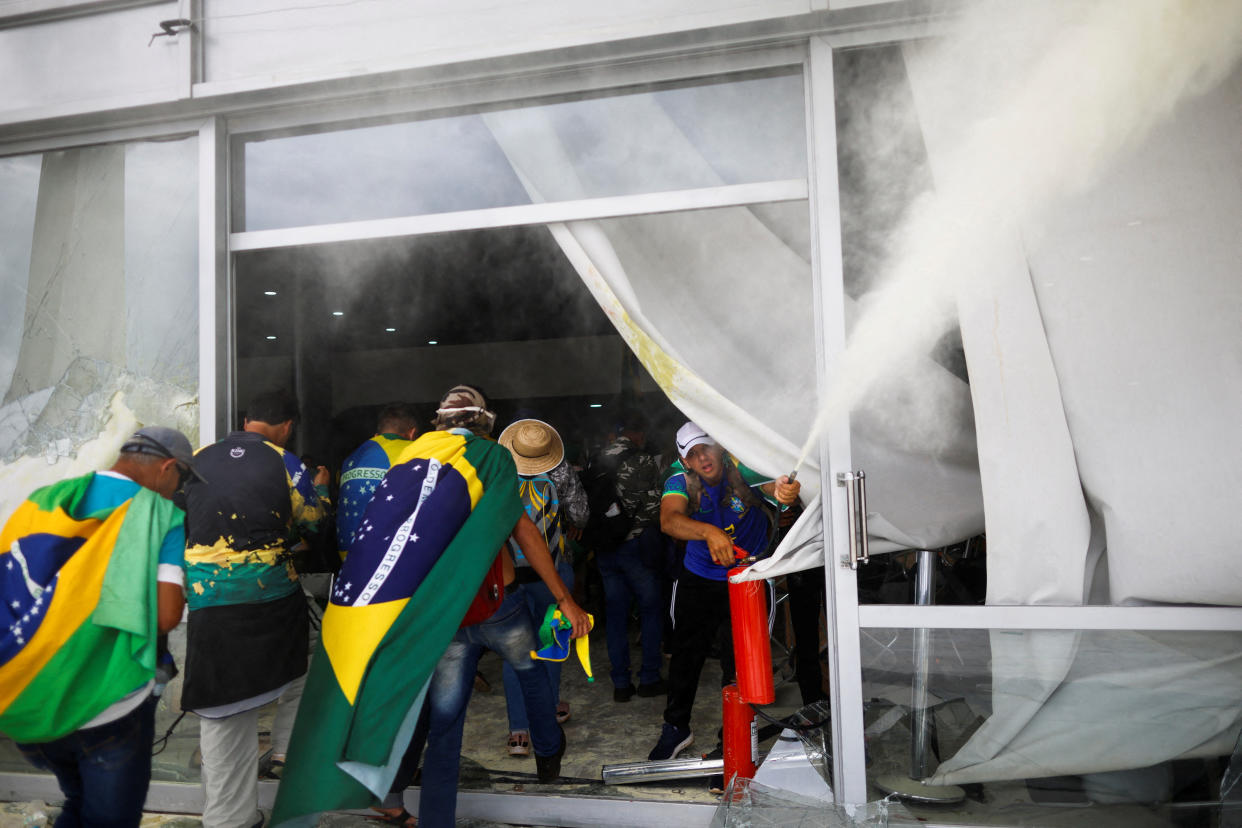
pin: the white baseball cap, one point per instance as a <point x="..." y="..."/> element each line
<point x="689" y="436"/>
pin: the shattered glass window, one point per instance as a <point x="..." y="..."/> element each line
<point x="1096" y="727"/>
<point x="98" y="305"/>
<point x="743" y="131"/>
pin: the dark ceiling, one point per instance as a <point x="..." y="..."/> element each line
<point x="453" y="288"/>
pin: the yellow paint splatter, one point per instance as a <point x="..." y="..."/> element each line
<point x="223" y="555"/>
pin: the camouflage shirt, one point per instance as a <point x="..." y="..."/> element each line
<point x="573" y="497"/>
<point x="639" y="484"/>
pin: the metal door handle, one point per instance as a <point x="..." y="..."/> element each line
<point x="855" y="483"/>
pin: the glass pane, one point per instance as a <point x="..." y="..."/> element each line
<point x="98" y="314"/>
<point x="1100" y="727"/>
<point x="687" y="137"/>
<point x="99" y="320"/>
<point x="912" y="430"/>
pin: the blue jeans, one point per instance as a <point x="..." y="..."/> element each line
<point x="510" y="633"/>
<point x="103" y="771"/>
<point x="538" y="597"/>
<point x="632" y="572"/>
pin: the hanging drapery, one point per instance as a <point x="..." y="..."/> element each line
<point x="718" y="306"/>
<point x="1101" y="340"/>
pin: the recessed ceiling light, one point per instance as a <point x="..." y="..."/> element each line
<point x="269" y="293"/>
<point x="432" y="342"/>
<point x="338" y="313"/>
<point x="271" y="337"/>
<point x="597" y="405"/>
<point x="390" y="330"/>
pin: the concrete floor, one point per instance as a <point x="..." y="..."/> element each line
<point x="602" y="732"/>
<point x="599" y="732"/>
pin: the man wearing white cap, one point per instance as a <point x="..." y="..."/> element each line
<point x="712" y="503"/>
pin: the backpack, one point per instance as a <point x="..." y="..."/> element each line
<point x="543" y="507"/>
<point x="490" y="596"/>
<point x="609" y="522"/>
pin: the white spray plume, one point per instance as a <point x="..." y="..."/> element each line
<point x="1058" y="90"/>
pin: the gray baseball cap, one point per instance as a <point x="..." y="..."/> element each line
<point x="162" y="441"/>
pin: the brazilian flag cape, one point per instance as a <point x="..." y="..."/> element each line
<point x="426" y="540"/>
<point x="78" y="624"/>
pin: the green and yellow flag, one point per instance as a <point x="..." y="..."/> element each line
<point x="78" y="624"/>
<point x="426" y="540"/>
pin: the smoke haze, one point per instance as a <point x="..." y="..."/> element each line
<point x="1022" y="105"/>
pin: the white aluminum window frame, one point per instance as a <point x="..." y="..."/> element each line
<point x="480" y="804"/>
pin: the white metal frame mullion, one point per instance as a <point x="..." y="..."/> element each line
<point x="529" y="87"/>
<point x="114" y="135"/>
<point x="1196" y="619"/>
<point x="215" y="317"/>
<point x="523" y="214"/>
<point x="196" y="53"/>
<point x="490" y="806"/>
<point x="844" y="657"/>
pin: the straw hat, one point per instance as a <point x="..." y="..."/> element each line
<point x="535" y="446"/>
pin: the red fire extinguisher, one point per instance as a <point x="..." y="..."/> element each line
<point x="752" y="649"/>
<point x="752" y="655"/>
<point x="740" y="739"/>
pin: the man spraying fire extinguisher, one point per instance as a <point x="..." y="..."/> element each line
<point x="713" y="503"/>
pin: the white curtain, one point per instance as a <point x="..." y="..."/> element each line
<point x="1102" y="340"/>
<point x="718" y="306"/>
<point x="1106" y="373"/>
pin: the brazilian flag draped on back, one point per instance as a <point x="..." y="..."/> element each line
<point x="78" y="623"/>
<point x="426" y="540"/>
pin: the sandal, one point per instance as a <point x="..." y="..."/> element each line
<point x="562" y="712"/>
<point x="519" y="743"/>
<point x="402" y="818"/>
<point x="270" y="767"/>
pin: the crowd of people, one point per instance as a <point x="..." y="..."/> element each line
<point x="96" y="571"/>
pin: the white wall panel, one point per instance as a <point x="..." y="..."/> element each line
<point x="261" y="42"/>
<point x="90" y="63"/>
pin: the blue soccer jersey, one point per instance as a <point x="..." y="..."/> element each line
<point x="361" y="473"/>
<point x="744" y="522"/>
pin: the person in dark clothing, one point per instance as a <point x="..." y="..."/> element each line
<point x="631" y="559"/>
<point x="806" y="598"/>
<point x="395" y="428"/>
<point x="248" y="629"/>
